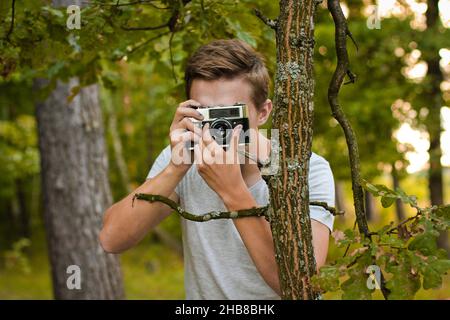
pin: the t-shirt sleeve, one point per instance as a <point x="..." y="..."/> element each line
<point x="161" y="162"/>
<point x="321" y="188"/>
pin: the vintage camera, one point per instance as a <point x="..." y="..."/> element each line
<point x="222" y="120"/>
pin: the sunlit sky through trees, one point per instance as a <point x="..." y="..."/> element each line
<point x="416" y="70"/>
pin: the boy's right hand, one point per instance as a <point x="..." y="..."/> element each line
<point x="183" y="130"/>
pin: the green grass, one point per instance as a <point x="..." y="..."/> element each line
<point x="150" y="270"/>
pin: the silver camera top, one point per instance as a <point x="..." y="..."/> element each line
<point x="238" y="110"/>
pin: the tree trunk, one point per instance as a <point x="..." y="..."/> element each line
<point x="24" y="212"/>
<point x="433" y="121"/>
<point x="292" y="116"/>
<point x="368" y="200"/>
<point x="341" y="204"/>
<point x="399" y="207"/>
<point x="75" y="187"/>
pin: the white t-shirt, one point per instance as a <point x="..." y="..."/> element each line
<point x="216" y="262"/>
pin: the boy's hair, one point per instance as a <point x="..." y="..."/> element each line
<point x="229" y="59"/>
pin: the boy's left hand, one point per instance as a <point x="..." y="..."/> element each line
<point x="219" y="168"/>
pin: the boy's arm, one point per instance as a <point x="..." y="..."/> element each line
<point x="125" y="225"/>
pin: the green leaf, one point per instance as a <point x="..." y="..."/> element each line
<point x="387" y="201"/>
<point x="392" y="240"/>
<point x="432" y="273"/>
<point x="403" y="285"/>
<point x="425" y="243"/>
<point x="355" y="288"/>
<point x="327" y="279"/>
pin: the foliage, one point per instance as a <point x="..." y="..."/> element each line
<point x="18" y="154"/>
<point x="406" y="253"/>
<point x="16" y="258"/>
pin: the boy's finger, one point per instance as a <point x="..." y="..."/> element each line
<point x="198" y="153"/>
<point x="206" y="135"/>
<point x="234" y="143"/>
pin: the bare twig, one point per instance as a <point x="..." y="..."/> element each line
<point x="348" y="246"/>
<point x="269" y="22"/>
<point x="324" y="205"/>
<point x="342" y="69"/>
<point x="11" y="26"/>
<point x="258" y="212"/>
<point x="139" y="46"/>
<point x="133" y="3"/>
<point x="252" y="212"/>
<point x="145" y="28"/>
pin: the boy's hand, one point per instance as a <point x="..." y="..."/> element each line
<point x="183" y="130"/>
<point x="219" y="168"/>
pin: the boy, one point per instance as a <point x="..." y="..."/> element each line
<point x="225" y="258"/>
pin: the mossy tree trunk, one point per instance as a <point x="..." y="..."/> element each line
<point x="293" y="117"/>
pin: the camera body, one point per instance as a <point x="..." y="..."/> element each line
<point x="222" y="120"/>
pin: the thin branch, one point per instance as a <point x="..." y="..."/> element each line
<point x="269" y="22"/>
<point x="258" y="212"/>
<point x="350" y="35"/>
<point x="342" y="69"/>
<point x="145" y="28"/>
<point x="118" y="4"/>
<point x="324" y="205"/>
<point x="11" y="26"/>
<point x="252" y="212"/>
<point x="348" y="246"/>
<point x="139" y="46"/>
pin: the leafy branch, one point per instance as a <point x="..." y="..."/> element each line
<point x="407" y="252"/>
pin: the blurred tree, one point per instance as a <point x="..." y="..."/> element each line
<point x="75" y="188"/>
<point x="432" y="93"/>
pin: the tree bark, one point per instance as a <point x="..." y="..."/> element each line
<point x="292" y="116"/>
<point x="433" y="121"/>
<point x="75" y="187"/>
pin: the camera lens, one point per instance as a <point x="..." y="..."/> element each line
<point x="221" y="130"/>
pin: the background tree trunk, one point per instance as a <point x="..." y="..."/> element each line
<point x="24" y="210"/>
<point x="433" y="121"/>
<point x="370" y="206"/>
<point x="292" y="116"/>
<point x="76" y="192"/>
<point x="341" y="203"/>
<point x="399" y="207"/>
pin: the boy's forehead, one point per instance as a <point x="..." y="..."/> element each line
<point x="221" y="91"/>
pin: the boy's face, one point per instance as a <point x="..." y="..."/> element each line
<point x="227" y="92"/>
